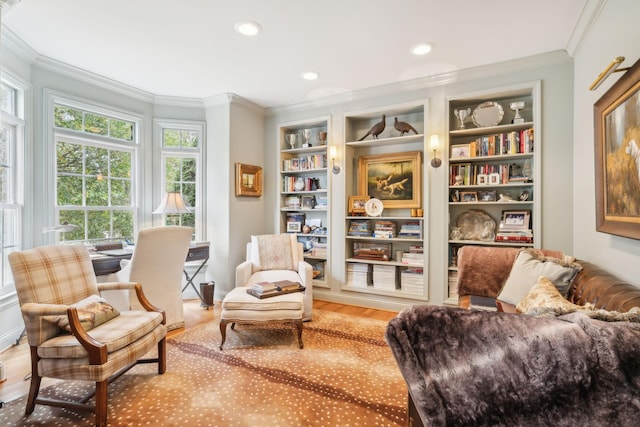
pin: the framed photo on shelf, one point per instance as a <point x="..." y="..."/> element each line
<point x="487" y="196"/>
<point x="248" y="180"/>
<point x="494" y="179"/>
<point x="308" y="202"/>
<point x="515" y="220"/>
<point x="394" y="178"/>
<point x="460" y="150"/>
<point x="617" y="156"/>
<point x="468" y="196"/>
<point x="482" y="179"/>
<point x="356" y="205"/>
<point x="294" y="227"/>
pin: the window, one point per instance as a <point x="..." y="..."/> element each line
<point x="181" y="169"/>
<point x="11" y="175"/>
<point x="96" y="152"/>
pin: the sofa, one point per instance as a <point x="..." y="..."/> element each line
<point x="518" y="363"/>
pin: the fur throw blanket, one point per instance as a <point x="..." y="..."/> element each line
<point x="480" y="368"/>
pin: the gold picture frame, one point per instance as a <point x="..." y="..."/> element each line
<point x="395" y="179"/>
<point x="356" y="205"/>
<point x="248" y="180"/>
<point x="617" y="157"/>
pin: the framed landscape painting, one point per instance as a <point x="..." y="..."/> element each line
<point x="617" y="157"/>
<point x="395" y="179"/>
<point x="248" y="180"/>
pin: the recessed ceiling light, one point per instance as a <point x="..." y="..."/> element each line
<point x="310" y="75"/>
<point x="248" y="28"/>
<point x="422" y="48"/>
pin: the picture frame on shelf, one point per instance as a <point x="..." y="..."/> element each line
<point x="292" y="202"/>
<point x="294" y="227"/>
<point x="617" y="157"/>
<point x="494" y="179"/>
<point x="395" y="178"/>
<point x="460" y="150"/>
<point x="487" y="196"/>
<point x="515" y="220"/>
<point x="356" y="205"/>
<point x="308" y="202"/>
<point x="468" y="196"/>
<point x="248" y="180"/>
<point x="482" y="179"/>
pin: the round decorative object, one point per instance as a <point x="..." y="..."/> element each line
<point x="299" y="184"/>
<point x="487" y="114"/>
<point x="456" y="233"/>
<point x="373" y="207"/>
<point x="476" y="224"/>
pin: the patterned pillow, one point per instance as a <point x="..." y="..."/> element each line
<point x="529" y="266"/>
<point x="273" y="252"/>
<point x="92" y="311"/>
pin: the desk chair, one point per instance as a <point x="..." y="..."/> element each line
<point x="72" y="332"/>
<point x="157" y="263"/>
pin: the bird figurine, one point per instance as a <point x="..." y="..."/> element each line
<point x="376" y="129"/>
<point x="403" y="127"/>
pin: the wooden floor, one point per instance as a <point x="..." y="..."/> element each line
<point x="17" y="365"/>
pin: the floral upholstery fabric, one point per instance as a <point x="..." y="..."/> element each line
<point x="274" y="252"/>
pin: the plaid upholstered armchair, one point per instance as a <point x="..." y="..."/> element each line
<point x="73" y="333"/>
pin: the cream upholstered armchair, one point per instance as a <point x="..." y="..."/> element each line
<point x="272" y="258"/>
<point x="157" y="263"/>
<point x="72" y="332"/>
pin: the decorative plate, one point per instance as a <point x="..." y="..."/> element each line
<point x="487" y="114"/>
<point x="373" y="207"/>
<point x="476" y="224"/>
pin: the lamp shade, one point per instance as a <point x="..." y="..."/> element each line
<point x="172" y="203"/>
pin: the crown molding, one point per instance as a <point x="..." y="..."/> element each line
<point x="17" y="46"/>
<point x="231" y="98"/>
<point x="177" y="101"/>
<point x="586" y="20"/>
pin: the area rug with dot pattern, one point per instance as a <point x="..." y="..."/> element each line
<point x="344" y="376"/>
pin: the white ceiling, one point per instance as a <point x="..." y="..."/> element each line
<point x="189" y="48"/>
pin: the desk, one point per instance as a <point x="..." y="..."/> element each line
<point x="104" y="264"/>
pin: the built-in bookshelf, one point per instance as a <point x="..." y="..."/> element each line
<point x="494" y="172"/>
<point x="305" y="190"/>
<point x="385" y="254"/>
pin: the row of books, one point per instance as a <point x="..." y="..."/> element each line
<point x="316" y="161"/>
<point x="384" y="229"/>
<point x="489" y="174"/>
<point x="410" y="230"/>
<point x="289" y="184"/>
<point x="524" y="236"/>
<point x="514" y="142"/>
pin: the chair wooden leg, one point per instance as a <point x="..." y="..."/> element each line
<point x="162" y="356"/>
<point x="101" y="403"/>
<point x="299" y="328"/>
<point x="223" y="332"/>
<point x="36" y="379"/>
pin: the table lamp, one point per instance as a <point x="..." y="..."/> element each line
<point x="172" y="204"/>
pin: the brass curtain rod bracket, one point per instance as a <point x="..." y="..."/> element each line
<point x="611" y="68"/>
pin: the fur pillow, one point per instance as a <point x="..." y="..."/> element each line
<point x="545" y="300"/>
<point x="529" y="266"/>
<point x="93" y="311"/>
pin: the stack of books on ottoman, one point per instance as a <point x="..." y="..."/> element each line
<point x="272" y="289"/>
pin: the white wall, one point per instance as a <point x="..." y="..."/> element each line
<point x="615" y="33"/>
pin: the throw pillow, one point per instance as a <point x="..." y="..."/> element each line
<point x="529" y="265"/>
<point x="93" y="311"/>
<point x="545" y="300"/>
<point x="273" y="252"/>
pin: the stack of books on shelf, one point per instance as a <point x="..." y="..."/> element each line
<point x="515" y="142"/>
<point x="316" y="161"/>
<point x="384" y="277"/>
<point x="359" y="228"/>
<point x="414" y="257"/>
<point x="412" y="280"/>
<point x="410" y="230"/>
<point x="372" y="251"/>
<point x="453" y="284"/>
<point x="384" y="230"/>
<point x="358" y="275"/>
<point x="319" y="250"/>
<point x="523" y="236"/>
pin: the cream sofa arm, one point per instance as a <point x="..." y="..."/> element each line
<point x="243" y="273"/>
<point x="306" y="276"/>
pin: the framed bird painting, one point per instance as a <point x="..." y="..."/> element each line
<point x="394" y="178"/>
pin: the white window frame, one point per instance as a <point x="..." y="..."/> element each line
<point x="197" y="153"/>
<point x="15" y="123"/>
<point x="54" y="98"/>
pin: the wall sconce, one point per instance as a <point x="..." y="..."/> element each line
<point x="435" y="144"/>
<point x="333" y="153"/>
<point x="611" y="68"/>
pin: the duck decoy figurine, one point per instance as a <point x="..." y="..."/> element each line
<point x="376" y="129"/>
